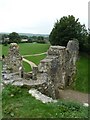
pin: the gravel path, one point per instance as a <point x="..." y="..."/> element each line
<point x="35" y="54"/>
<point x="30" y="63"/>
<point x="74" y="95"/>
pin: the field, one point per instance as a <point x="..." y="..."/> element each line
<point x="20" y="104"/>
<point x="28" y="48"/>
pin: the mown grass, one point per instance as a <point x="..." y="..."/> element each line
<point x="28" y="48"/>
<point x="17" y="102"/>
<point x="27" y="67"/>
<point x="36" y="59"/>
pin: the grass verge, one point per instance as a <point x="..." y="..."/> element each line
<point x="82" y="82"/>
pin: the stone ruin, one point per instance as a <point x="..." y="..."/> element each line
<point x="56" y="71"/>
<point x="12" y="63"/>
<point x="58" y="68"/>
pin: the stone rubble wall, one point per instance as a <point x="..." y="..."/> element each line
<point x="56" y="71"/>
<point x="14" y="60"/>
<point x="59" y="67"/>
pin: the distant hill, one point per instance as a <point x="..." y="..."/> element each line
<point x="29" y="34"/>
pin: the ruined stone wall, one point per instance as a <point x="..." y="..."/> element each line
<point x="59" y="67"/>
<point x="57" y="70"/>
<point x="14" y="60"/>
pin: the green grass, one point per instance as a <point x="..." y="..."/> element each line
<point x="31" y="48"/>
<point x="5" y="49"/>
<point x="28" y="48"/>
<point x="23" y="105"/>
<point x="36" y="59"/>
<point x="27" y="67"/>
<point x="81" y="82"/>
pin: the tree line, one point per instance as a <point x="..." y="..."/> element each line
<point x="65" y="29"/>
<point x="69" y="28"/>
<point x="15" y="37"/>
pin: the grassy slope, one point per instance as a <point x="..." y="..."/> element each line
<point x="81" y="82"/>
<point x="21" y="104"/>
<point x="27" y="67"/>
<point x="35" y="59"/>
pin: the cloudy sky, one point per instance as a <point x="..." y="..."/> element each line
<point x="39" y="16"/>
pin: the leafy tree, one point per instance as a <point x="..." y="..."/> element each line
<point x="67" y="28"/>
<point x="24" y="37"/>
<point x="87" y="43"/>
<point x="4" y="36"/>
<point x="40" y="38"/>
<point x="14" y="37"/>
<point x="5" y="39"/>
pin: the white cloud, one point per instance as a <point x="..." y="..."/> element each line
<point x="39" y="16"/>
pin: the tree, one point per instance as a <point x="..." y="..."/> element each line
<point x="87" y="43"/>
<point x="67" y="28"/>
<point x="14" y="37"/>
<point x="24" y="37"/>
<point x="4" y="39"/>
<point x="40" y="39"/>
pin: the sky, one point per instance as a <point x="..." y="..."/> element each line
<point x="39" y="16"/>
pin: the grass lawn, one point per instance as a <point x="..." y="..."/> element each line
<point x="36" y="59"/>
<point x="28" y="48"/>
<point x="27" y="67"/>
<point x="17" y="102"/>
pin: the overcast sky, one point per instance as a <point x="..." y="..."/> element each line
<point x="39" y="16"/>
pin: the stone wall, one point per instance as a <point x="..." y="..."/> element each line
<point x="58" y="67"/>
<point x="57" y="70"/>
<point x="14" y="60"/>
